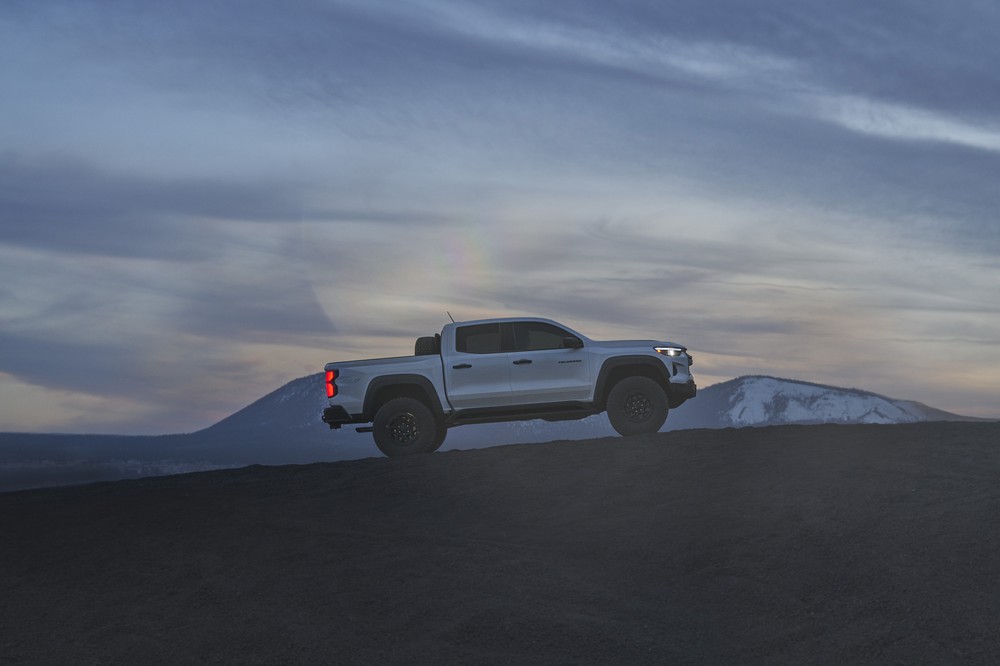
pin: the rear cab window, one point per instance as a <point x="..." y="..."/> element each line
<point x="478" y="339"/>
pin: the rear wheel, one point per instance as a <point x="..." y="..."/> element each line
<point x="637" y="406"/>
<point x="405" y="426"/>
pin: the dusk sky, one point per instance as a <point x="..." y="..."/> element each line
<point x="201" y="200"/>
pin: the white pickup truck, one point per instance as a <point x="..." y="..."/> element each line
<point x="509" y="369"/>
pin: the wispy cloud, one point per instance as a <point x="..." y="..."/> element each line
<point x="893" y="121"/>
<point x="76" y="206"/>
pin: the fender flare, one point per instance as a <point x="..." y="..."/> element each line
<point x="655" y="366"/>
<point x="424" y="385"/>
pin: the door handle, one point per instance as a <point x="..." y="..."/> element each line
<point x="462" y="366"/>
<point x="523" y="361"/>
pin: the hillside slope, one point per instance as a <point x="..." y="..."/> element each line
<point x="795" y="544"/>
<point x="284" y="427"/>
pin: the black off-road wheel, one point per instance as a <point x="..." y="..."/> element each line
<point x="637" y="406"/>
<point x="405" y="426"/>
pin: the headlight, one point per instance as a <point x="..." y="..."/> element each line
<point x="670" y="351"/>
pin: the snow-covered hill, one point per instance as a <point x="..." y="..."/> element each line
<point x="766" y="400"/>
<point x="761" y="401"/>
<point x="294" y="406"/>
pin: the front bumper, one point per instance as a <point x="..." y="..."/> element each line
<point x="684" y="391"/>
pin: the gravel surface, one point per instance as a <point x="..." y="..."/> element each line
<point x="794" y="544"/>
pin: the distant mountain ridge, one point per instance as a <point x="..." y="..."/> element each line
<point x="750" y="401"/>
<point x="284" y="427"/>
<point x="761" y="400"/>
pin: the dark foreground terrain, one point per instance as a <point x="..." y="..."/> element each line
<point x="794" y="544"/>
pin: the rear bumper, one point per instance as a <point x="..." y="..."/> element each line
<point x="337" y="416"/>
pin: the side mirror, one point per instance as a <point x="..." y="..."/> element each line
<point x="572" y="343"/>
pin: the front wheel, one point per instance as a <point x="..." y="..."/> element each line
<point x="405" y="426"/>
<point x="637" y="406"/>
<point x="442" y="432"/>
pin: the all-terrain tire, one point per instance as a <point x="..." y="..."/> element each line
<point x="442" y="432"/>
<point x="405" y="426"/>
<point x="637" y="406"/>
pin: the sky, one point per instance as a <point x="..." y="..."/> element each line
<point x="204" y="199"/>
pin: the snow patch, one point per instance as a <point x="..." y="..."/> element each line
<point x="766" y="400"/>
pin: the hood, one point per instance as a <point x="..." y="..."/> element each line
<point x="640" y="343"/>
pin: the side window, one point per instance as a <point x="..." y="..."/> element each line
<point x="481" y="339"/>
<point x="536" y="336"/>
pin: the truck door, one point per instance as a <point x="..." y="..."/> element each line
<point x="545" y="367"/>
<point x="477" y="373"/>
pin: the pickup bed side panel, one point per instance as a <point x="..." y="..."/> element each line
<point x="354" y="377"/>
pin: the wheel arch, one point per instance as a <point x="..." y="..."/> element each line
<point x="615" y="369"/>
<point x="385" y="388"/>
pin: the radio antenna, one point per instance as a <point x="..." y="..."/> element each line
<point x="449" y="316"/>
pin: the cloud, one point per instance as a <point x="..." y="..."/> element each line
<point x="249" y="295"/>
<point x="904" y="123"/>
<point x="177" y="343"/>
<point x="74" y="206"/>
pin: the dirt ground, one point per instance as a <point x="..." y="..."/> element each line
<point x="784" y="545"/>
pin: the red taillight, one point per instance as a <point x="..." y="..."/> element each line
<point x="331" y="386"/>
